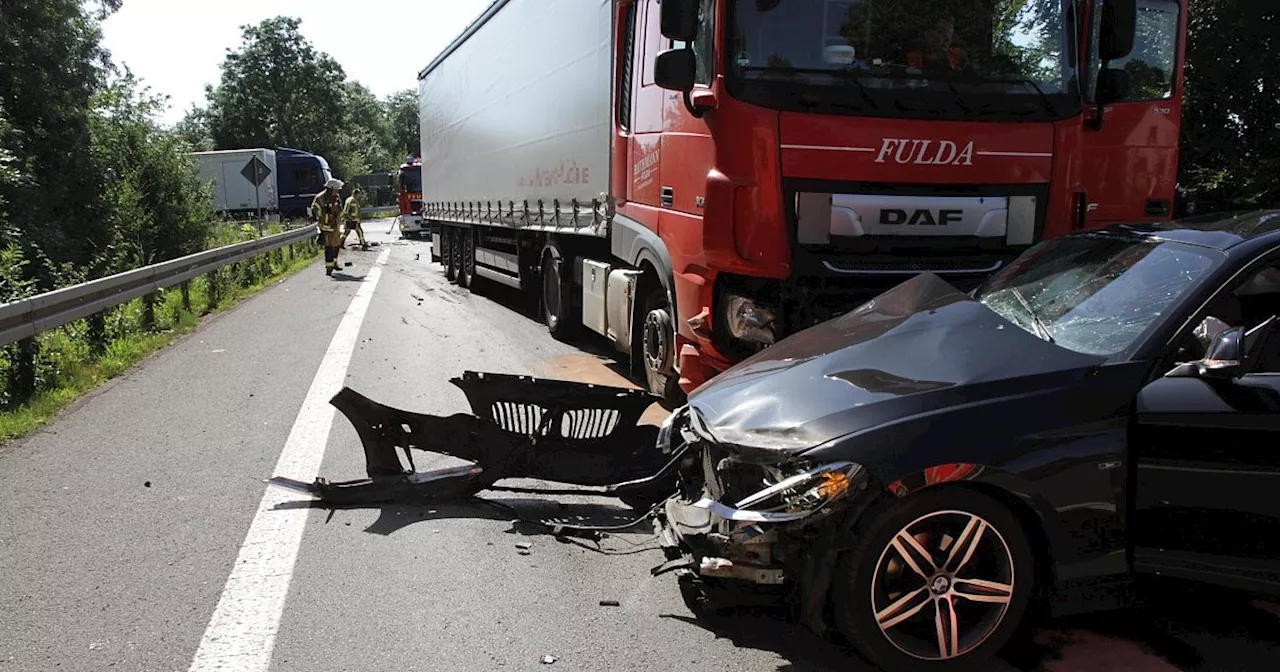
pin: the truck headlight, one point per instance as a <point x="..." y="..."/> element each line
<point x="747" y="320"/>
<point x="794" y="497"/>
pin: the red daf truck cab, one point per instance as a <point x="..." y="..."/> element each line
<point x="798" y="157"/>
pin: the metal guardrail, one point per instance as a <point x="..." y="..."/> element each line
<point x="32" y="315"/>
<point x="383" y="211"/>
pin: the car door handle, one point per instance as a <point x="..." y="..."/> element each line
<point x="668" y="196"/>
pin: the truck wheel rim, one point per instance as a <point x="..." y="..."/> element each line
<point x="942" y="585"/>
<point x="657" y="348"/>
<point x="551" y="293"/>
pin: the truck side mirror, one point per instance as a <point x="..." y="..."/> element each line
<point x="675" y="69"/>
<point x="1113" y="85"/>
<point x="679" y="20"/>
<point x="1118" y="29"/>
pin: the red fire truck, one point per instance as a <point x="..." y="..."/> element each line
<point x="695" y="179"/>
<point x="409" y="185"/>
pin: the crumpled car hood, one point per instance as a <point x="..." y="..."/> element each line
<point x="917" y="348"/>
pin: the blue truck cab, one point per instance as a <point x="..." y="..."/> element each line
<point x="302" y="175"/>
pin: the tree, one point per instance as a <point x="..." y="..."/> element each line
<point x="1231" y="106"/>
<point x="402" y="113"/>
<point x="51" y="64"/>
<point x="194" y="128"/>
<point x="277" y="91"/>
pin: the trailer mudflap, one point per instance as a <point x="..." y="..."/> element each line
<point x="521" y="427"/>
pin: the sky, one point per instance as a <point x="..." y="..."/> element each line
<point x="177" y="46"/>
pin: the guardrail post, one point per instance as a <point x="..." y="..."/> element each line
<point x="149" y="311"/>
<point x="96" y="332"/>
<point x="211" y="280"/>
<point x="186" y="295"/>
<point x="21" y="373"/>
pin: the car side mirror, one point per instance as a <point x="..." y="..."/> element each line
<point x="1113" y="85"/>
<point x="1115" y="35"/>
<point x="1226" y="357"/>
<point x="675" y="69"/>
<point x="679" y="20"/>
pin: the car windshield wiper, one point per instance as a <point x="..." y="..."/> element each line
<point x="1042" y="330"/>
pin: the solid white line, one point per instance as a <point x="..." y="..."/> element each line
<point x="242" y="631"/>
<point x="1046" y="155"/>
<point x="831" y="149"/>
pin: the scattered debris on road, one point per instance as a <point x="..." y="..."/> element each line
<point x="524" y="545"/>
<point x="146" y="484"/>
<point x="610" y="603"/>
<point x="547" y="659"/>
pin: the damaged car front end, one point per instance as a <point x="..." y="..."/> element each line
<point x="745" y="525"/>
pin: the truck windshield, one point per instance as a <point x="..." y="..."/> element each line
<point x="912" y="58"/>
<point x="411" y="180"/>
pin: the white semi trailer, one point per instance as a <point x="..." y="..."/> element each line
<point x="244" y="180"/>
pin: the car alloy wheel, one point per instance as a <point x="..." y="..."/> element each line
<point x="943" y="584"/>
<point x="936" y="580"/>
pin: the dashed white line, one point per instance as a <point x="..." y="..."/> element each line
<point x="242" y="631"/>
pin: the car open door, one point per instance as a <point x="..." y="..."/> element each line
<point x="1207" y="451"/>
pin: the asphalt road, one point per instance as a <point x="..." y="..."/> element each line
<point x="122" y="521"/>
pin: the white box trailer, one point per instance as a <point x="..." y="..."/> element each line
<point x="244" y="180"/>
<point x="521" y="127"/>
<point x="517" y="143"/>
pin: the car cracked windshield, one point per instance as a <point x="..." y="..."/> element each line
<point x="940" y="57"/>
<point x="1095" y="294"/>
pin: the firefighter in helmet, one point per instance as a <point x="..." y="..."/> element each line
<point x="351" y="219"/>
<point x="326" y="210"/>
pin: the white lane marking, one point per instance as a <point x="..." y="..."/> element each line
<point x="242" y="631"/>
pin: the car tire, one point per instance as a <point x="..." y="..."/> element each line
<point x="976" y="555"/>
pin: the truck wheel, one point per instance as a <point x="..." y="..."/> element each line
<point x="466" y="257"/>
<point x="557" y="295"/>
<point x="937" y="581"/>
<point x="450" y="253"/>
<point x="657" y="346"/>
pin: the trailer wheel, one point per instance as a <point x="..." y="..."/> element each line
<point x="467" y="268"/>
<point x="557" y="295"/>
<point x="451" y="253"/>
<point x="462" y="243"/>
<point x="657" y="346"/>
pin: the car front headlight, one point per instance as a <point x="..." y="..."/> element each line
<point x="793" y="497"/>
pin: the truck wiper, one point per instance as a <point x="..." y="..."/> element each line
<point x="844" y="75"/>
<point x="1042" y="330"/>
<point x="1044" y="97"/>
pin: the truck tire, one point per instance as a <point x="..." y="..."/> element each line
<point x="657" y="344"/>
<point x="450" y="252"/>
<point x="466" y="257"/>
<point x="557" y="295"/>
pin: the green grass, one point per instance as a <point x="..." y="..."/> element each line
<point x="67" y="367"/>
